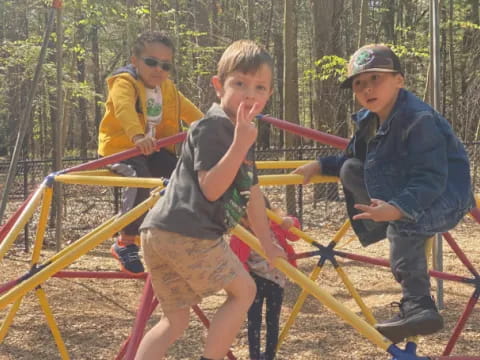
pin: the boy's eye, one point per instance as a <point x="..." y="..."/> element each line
<point x="375" y="77"/>
<point x="261" y="87"/>
<point x="239" y="83"/>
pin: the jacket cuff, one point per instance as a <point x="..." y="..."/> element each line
<point x="331" y="164"/>
<point x="408" y="206"/>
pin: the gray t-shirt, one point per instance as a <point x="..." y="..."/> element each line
<point x="184" y="209"/>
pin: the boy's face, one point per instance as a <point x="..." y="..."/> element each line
<point x="154" y="64"/>
<point x="377" y="91"/>
<point x="249" y="88"/>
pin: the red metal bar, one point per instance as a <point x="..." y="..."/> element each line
<point x="9" y="224"/>
<point x="461" y="255"/>
<point x="140" y="320"/>
<point x="361" y="258"/>
<point x="324" y="138"/>
<point x="95" y="164"/>
<point x="125" y="344"/>
<point x="461" y="323"/>
<point x="8" y="285"/>
<point x="385" y="263"/>
<point x="99" y="275"/>
<point x="454" y="357"/>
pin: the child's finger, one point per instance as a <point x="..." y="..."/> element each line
<point x="362" y="216"/>
<point x="241" y="113"/>
<point x="362" y="207"/>
<point x="254" y="110"/>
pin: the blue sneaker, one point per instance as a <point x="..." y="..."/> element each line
<point x="128" y="257"/>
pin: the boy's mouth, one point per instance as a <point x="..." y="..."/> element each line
<point x="371" y="100"/>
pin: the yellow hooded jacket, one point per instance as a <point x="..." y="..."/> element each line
<point x="126" y="108"/>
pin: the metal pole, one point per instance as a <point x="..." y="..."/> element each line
<point x="435" y="97"/>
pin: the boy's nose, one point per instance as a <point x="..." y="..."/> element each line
<point x="249" y="93"/>
<point x="368" y="88"/>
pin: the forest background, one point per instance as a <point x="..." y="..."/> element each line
<point x="311" y="40"/>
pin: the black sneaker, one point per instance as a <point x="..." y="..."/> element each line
<point x="418" y="316"/>
<point x="128" y="257"/>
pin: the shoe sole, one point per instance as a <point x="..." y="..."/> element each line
<point x="123" y="268"/>
<point x="414" y="327"/>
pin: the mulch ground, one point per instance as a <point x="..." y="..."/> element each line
<point x="95" y="316"/>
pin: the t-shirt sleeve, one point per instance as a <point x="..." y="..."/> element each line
<point x="210" y="142"/>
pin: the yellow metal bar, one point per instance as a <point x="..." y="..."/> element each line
<point x="9" y="319"/>
<point x="297" y="307"/>
<point x="21" y="221"/>
<point x="329" y="301"/>
<point x="101" y="172"/>
<point x="110" y="181"/>
<point x="42" y="224"/>
<point x="69" y="257"/>
<point x="42" y="298"/>
<point x="293" y="179"/>
<point x="351" y="289"/>
<point x="73" y="246"/>
<point x="281" y="164"/>
<point x="340" y="233"/>
<point x="314" y="275"/>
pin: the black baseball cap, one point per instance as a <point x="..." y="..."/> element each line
<point x="370" y="58"/>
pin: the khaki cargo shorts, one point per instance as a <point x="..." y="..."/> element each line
<point x="184" y="269"/>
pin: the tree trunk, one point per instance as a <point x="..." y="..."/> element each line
<point x="290" y="89"/>
<point x="82" y="104"/>
<point x="362" y="36"/>
<point x="451" y="51"/>
<point x="97" y="79"/>
<point x="58" y="141"/>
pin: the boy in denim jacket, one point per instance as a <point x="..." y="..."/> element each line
<point x="405" y="175"/>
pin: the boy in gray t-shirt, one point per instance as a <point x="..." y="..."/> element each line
<point x="214" y="184"/>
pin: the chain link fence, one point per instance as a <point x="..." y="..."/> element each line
<point x="86" y="207"/>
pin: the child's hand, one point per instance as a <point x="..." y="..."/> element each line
<point x="144" y="143"/>
<point x="287" y="223"/>
<point x="245" y="129"/>
<point x="378" y="210"/>
<point x="308" y="170"/>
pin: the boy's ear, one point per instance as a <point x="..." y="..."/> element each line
<point x="217" y="85"/>
<point x="400" y="81"/>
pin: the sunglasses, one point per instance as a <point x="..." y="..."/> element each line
<point x="152" y="62"/>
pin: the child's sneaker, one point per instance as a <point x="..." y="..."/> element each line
<point x="418" y="316"/>
<point x="128" y="257"/>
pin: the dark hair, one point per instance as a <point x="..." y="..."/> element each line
<point x="245" y="56"/>
<point x="150" y="37"/>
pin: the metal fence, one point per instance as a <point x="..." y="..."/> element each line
<point x="87" y="206"/>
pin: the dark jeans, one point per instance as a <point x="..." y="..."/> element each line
<point x="407" y="251"/>
<point x="272" y="293"/>
<point x="159" y="164"/>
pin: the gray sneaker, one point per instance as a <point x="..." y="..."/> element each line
<point x="417" y="316"/>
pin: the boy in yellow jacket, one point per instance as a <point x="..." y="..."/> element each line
<point x="143" y="105"/>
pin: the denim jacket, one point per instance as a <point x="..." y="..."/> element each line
<point x="414" y="162"/>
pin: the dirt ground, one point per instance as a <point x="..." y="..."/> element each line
<point x="95" y="316"/>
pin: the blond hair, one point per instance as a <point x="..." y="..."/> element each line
<point x="245" y="56"/>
